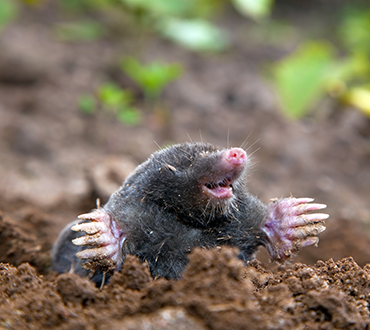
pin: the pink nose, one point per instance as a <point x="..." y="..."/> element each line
<point x="236" y="156"/>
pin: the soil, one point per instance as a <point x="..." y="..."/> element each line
<point x="55" y="161"/>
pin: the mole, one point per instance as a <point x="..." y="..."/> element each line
<point x="185" y="196"/>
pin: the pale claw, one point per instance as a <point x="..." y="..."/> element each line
<point x="304" y="208"/>
<point x="289" y="228"/>
<point x="89" y="227"/>
<point x="305" y="219"/>
<point x="310" y="241"/>
<point x="305" y="231"/>
<point x="103" y="234"/>
<point x="95" y="240"/>
<point x="97" y="253"/>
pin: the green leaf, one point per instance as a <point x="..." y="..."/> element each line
<point x="300" y="78"/>
<point x="86" y="103"/>
<point x="152" y="78"/>
<point x="113" y="96"/>
<point x="195" y="34"/>
<point x="354" y="31"/>
<point x="256" y="9"/>
<point x="83" y="30"/>
<point x="160" y="7"/>
<point x="179" y="8"/>
<point x="8" y="12"/>
<point x="129" y="116"/>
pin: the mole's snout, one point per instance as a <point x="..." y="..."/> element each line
<point x="235" y="156"/>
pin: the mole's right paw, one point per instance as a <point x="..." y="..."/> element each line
<point x="104" y="237"/>
<point x="290" y="227"/>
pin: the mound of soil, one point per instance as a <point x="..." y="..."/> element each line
<point x="217" y="290"/>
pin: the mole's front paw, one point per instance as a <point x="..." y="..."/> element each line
<point x="104" y="237"/>
<point x="289" y="227"/>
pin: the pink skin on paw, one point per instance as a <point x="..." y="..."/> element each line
<point x="289" y="227"/>
<point x="231" y="163"/>
<point x="102" y="234"/>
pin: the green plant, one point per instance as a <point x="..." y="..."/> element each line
<point x="195" y="34"/>
<point x="8" y="12"/>
<point x="153" y="77"/>
<point x="315" y="69"/>
<point x="114" y="99"/>
<point x="256" y="9"/>
<point x="188" y="23"/>
<point x="87" y="103"/>
<point x="300" y="78"/>
<point x="185" y="22"/>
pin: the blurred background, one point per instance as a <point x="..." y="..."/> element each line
<point x="90" y="88"/>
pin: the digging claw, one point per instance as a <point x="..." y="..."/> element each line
<point x="310" y="241"/>
<point x="303" y="208"/>
<point x="89" y="228"/>
<point x="96" y="253"/>
<point x="95" y="240"/>
<point x="104" y="236"/>
<point x="289" y="227"/>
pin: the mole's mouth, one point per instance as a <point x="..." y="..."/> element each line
<point x="220" y="190"/>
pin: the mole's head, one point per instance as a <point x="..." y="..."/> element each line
<point x="198" y="182"/>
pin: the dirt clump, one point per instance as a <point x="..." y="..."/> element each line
<point x="217" y="291"/>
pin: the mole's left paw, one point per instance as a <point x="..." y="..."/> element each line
<point x="289" y="227"/>
<point x="105" y="238"/>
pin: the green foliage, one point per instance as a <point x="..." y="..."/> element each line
<point x="114" y="99"/>
<point x="82" y="30"/>
<point x="195" y="34"/>
<point x="314" y="69"/>
<point x="256" y="9"/>
<point x="129" y="116"/>
<point x="8" y="12"/>
<point x="354" y="32"/>
<point x="300" y="77"/>
<point x="87" y="103"/>
<point x="179" y="8"/>
<point x="152" y="78"/>
<point x="118" y="100"/>
<point x="113" y="96"/>
<point x="185" y="22"/>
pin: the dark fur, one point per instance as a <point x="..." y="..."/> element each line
<point x="165" y="214"/>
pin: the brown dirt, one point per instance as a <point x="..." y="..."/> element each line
<point x="55" y="161"/>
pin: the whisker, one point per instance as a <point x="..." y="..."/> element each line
<point x="254" y="152"/>
<point x="160" y="148"/>
<point x="201" y="137"/>
<point x="253" y="144"/>
<point x="244" y="144"/>
<point x="228" y="137"/>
